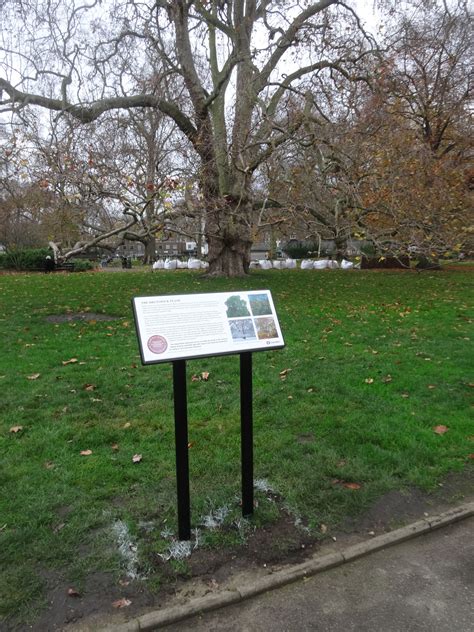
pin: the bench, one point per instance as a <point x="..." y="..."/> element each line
<point x="65" y="267"/>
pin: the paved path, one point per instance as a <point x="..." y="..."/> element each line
<point x="421" y="585"/>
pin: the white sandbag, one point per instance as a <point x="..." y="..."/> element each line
<point x="158" y="265"/>
<point x="204" y="264"/>
<point x="333" y="264"/>
<point x="322" y="264"/>
<point x="278" y="264"/>
<point x="170" y="264"/>
<point x="253" y="265"/>
<point x="306" y="264"/>
<point x="265" y="264"/>
<point x="290" y="264"/>
<point x="182" y="265"/>
<point x="346" y="265"/>
<point x="194" y="264"/>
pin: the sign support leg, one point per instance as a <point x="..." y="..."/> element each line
<point x="246" y="416"/>
<point x="181" y="442"/>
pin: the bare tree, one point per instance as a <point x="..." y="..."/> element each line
<point x="427" y="76"/>
<point x="392" y="160"/>
<point x="414" y="135"/>
<point x="237" y="63"/>
<point x="88" y="185"/>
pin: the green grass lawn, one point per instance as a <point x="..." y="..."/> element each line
<point x="373" y="363"/>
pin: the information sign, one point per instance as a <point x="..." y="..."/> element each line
<point x="189" y="326"/>
<point x="181" y="327"/>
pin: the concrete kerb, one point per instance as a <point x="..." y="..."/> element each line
<point x="167" y="616"/>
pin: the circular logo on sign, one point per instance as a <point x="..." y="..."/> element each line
<point x="157" y="344"/>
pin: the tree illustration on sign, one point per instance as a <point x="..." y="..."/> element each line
<point x="236" y="307"/>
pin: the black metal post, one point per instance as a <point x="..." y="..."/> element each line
<point x="246" y="429"/>
<point x="181" y="442"/>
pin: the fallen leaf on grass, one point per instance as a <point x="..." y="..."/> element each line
<point x="346" y="484"/>
<point x="121" y="603"/>
<point x="34" y="376"/>
<point x="190" y="444"/>
<point x="369" y="380"/>
<point x="16" y="429"/>
<point x="440" y="429"/>
<point x="71" y="361"/>
<point x="470" y="456"/>
<point x="89" y="387"/>
<point x="115" y="446"/>
<point x="352" y="485"/>
<point x="126" y="425"/>
<point x="284" y="373"/>
<point x="388" y="378"/>
<point x="323" y="528"/>
<point x="86" y="452"/>
<point x="72" y="592"/>
<point x="205" y="375"/>
<point x="49" y="465"/>
<point x="136" y="458"/>
<point x="195" y="378"/>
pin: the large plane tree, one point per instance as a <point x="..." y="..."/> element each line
<point x="247" y="73"/>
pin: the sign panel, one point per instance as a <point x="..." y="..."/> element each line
<point x="199" y="325"/>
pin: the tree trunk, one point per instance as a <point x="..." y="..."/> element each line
<point x="150" y="251"/>
<point x="341" y="247"/>
<point x="228" y="234"/>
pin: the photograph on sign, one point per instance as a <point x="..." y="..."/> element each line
<point x="199" y="325"/>
<point x="266" y="328"/>
<point x="236" y="306"/>
<point x="260" y="305"/>
<point x="242" y="329"/>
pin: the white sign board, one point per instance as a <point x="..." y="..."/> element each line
<point x="199" y="325"/>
